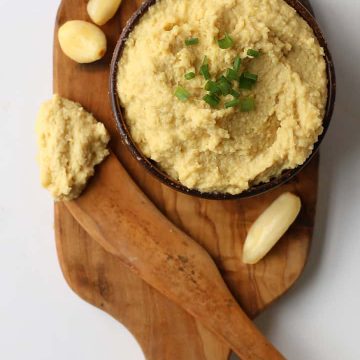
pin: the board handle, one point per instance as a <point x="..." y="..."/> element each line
<point x="128" y="225"/>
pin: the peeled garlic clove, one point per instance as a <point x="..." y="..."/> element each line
<point x="101" y="11"/>
<point x="82" y="41"/>
<point x="270" y="226"/>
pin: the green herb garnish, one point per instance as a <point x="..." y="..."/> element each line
<point x="253" y="53"/>
<point x="204" y="69"/>
<point x="226" y="42"/>
<point x="247" y="104"/>
<point x="234" y="93"/>
<point x="224" y="85"/>
<point x="212" y="100"/>
<point x="181" y="93"/>
<point x="245" y="83"/>
<point x="250" y="76"/>
<point x="237" y="64"/>
<point x="223" y="78"/>
<point x="232" y="103"/>
<point x="231" y="75"/>
<point x="190" y="75"/>
<point x="191" y="41"/>
<point x="212" y="87"/>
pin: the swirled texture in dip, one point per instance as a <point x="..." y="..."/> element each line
<point x="223" y="150"/>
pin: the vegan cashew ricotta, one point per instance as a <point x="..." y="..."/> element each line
<point x="218" y="149"/>
<point x="71" y="142"/>
<point x="82" y="41"/>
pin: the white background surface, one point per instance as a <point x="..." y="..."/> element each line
<point x="41" y="319"/>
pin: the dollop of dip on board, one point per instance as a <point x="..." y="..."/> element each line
<point x="217" y="148"/>
<point x="71" y="142"/>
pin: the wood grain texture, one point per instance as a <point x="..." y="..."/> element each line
<point x="127" y="224"/>
<point x="163" y="330"/>
<point x="219" y="226"/>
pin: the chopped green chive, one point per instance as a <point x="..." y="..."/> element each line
<point x="223" y="78"/>
<point x="212" y="100"/>
<point x="204" y="69"/>
<point x="237" y="64"/>
<point x="191" y="41"/>
<point x="253" y="53"/>
<point x="189" y="75"/>
<point x="181" y="93"/>
<point x="212" y="87"/>
<point x="231" y="75"/>
<point x="226" y="42"/>
<point x="247" y="104"/>
<point x="232" y="103"/>
<point x="245" y="84"/>
<point x="224" y="85"/>
<point x="250" y="76"/>
<point x="234" y="93"/>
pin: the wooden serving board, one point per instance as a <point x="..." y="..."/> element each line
<point x="163" y="329"/>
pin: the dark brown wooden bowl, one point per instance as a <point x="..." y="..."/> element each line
<point x="152" y="167"/>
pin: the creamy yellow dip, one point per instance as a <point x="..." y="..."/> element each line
<point x="71" y="142"/>
<point x="223" y="150"/>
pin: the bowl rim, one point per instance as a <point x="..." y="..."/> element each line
<point x="150" y="165"/>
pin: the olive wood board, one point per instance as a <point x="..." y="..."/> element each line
<point x="163" y="329"/>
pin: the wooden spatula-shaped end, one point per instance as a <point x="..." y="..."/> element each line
<point x="152" y="247"/>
